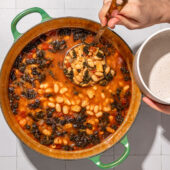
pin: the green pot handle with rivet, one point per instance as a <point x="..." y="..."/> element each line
<point x="44" y="15"/>
<point x="96" y="159"/>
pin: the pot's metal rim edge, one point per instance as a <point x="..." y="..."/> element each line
<point x="41" y="33"/>
<point x="138" y="76"/>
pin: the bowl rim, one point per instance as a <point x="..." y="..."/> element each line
<point x="138" y="56"/>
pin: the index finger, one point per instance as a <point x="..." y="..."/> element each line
<point x="103" y="12"/>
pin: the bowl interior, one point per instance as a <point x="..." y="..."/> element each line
<point x="153" y="65"/>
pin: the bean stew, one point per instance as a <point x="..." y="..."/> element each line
<point x="55" y="110"/>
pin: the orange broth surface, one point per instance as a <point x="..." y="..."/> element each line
<point x="56" y="112"/>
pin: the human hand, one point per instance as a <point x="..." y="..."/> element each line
<point x="159" y="107"/>
<point x="136" y="13"/>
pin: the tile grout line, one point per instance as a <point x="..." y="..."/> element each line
<point x="15" y="4"/>
<point x="65" y="165"/>
<point x="161" y="137"/>
<point x="16" y="151"/>
<point x="64" y="7"/>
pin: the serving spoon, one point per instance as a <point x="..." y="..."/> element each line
<point x="114" y="5"/>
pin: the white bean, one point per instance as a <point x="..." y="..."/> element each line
<point x="59" y="99"/>
<point x="57" y="140"/>
<point x="90" y="93"/>
<point x="65" y="109"/>
<point x="96" y="109"/>
<point x="46" y="132"/>
<point x="107" y="109"/>
<point x="84" y="103"/>
<point x="99" y="114"/>
<point x="67" y="101"/>
<point x="95" y="87"/>
<point x="103" y="95"/>
<point x="73" y="102"/>
<point x="90" y="63"/>
<point x="107" y="70"/>
<point x="56" y="88"/>
<point x="99" y="74"/>
<point x="50" y="104"/>
<point x="90" y="113"/>
<point x="126" y="88"/>
<point x="99" y="67"/>
<point x="112" y="72"/>
<point x="94" y="78"/>
<point x="51" y="99"/>
<point x="63" y="90"/>
<point x="65" y="142"/>
<point x="44" y="86"/>
<point x="79" y="78"/>
<point x="40" y="91"/>
<point x="58" y="107"/>
<point x="92" y="107"/>
<point x="89" y="132"/>
<point x="87" y="107"/>
<point x="49" y="90"/>
<point x="76" y="108"/>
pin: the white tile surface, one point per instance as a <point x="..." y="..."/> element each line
<point x="83" y="3"/>
<point x="40" y="3"/>
<point x="8" y="163"/>
<point x="83" y="13"/>
<point x="6" y="16"/>
<point x="134" y="38"/>
<point x="7" y="139"/>
<point x="7" y="4"/>
<point x="165" y="162"/>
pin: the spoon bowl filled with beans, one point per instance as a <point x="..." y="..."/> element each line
<point x="85" y="65"/>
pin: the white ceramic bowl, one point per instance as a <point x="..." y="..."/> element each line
<point x="156" y="46"/>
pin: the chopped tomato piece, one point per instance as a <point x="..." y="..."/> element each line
<point x="68" y="65"/>
<point x="58" y="146"/>
<point x="22" y="114"/>
<point x="33" y="50"/>
<point x="124" y="101"/>
<point x="30" y="55"/>
<point x="45" y="46"/>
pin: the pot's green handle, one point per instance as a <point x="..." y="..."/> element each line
<point x="43" y="14"/>
<point x="96" y="159"/>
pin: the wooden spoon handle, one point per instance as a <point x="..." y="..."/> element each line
<point x="113" y="6"/>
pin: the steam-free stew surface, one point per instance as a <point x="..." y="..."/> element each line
<point x="54" y="111"/>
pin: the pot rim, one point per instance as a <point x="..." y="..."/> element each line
<point x="105" y="141"/>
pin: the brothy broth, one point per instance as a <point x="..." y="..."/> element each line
<point x="56" y="112"/>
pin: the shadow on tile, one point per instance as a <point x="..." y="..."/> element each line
<point x="166" y="126"/>
<point x="41" y="162"/>
<point x="144" y="138"/>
